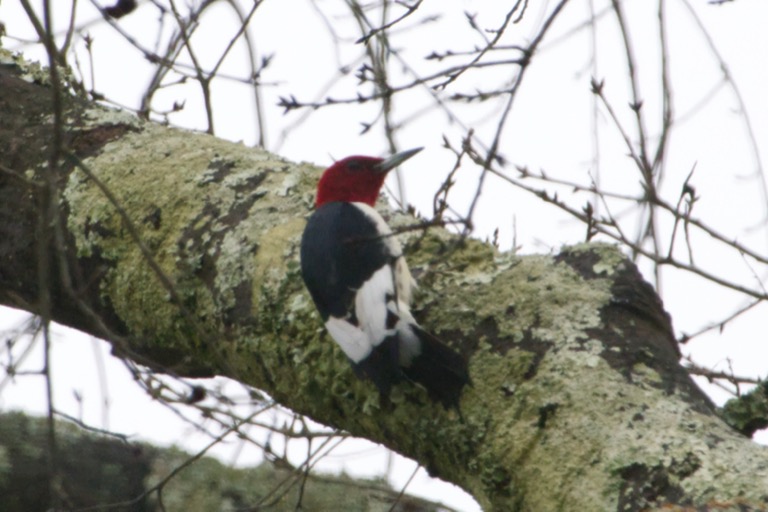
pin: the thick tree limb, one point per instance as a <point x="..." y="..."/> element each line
<point x="181" y="250"/>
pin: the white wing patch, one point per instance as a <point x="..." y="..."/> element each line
<point x="386" y="293"/>
<point x="371" y="311"/>
<point x="373" y="304"/>
<point x="352" y="340"/>
<point x="403" y="279"/>
<point x="410" y="345"/>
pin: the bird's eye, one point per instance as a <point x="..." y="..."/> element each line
<point x="354" y="165"/>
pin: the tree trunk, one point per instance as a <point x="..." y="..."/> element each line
<point x="182" y="251"/>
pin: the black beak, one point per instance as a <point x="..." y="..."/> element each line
<point x="395" y="160"/>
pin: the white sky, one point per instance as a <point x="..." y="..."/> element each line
<point x="550" y="128"/>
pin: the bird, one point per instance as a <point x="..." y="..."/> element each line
<point x="359" y="281"/>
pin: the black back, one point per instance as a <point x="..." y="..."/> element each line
<point x="340" y="250"/>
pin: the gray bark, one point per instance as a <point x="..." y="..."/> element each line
<point x="578" y="401"/>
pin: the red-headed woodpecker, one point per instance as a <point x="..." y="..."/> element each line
<point x="354" y="269"/>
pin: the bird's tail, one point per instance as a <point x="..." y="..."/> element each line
<point x="438" y="368"/>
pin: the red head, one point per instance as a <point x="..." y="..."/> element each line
<point x="357" y="178"/>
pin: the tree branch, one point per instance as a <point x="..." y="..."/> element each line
<point x="578" y="401"/>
